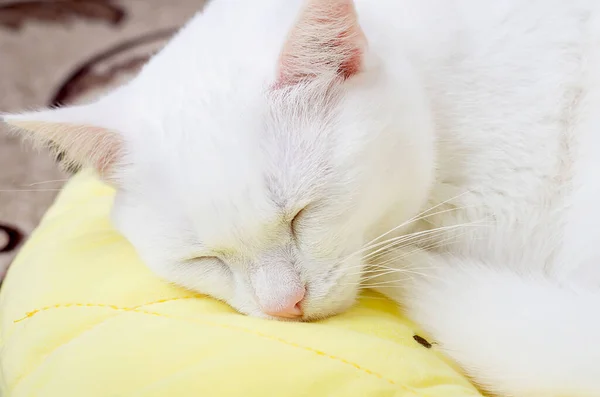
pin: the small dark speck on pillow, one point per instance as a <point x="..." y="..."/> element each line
<point x="422" y="341"/>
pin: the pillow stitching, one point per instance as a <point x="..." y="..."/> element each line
<point x="32" y="313"/>
<point x="22" y="376"/>
<point x="235" y="328"/>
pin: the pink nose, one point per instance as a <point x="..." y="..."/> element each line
<point x="289" y="307"/>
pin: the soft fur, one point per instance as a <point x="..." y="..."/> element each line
<point x="441" y="151"/>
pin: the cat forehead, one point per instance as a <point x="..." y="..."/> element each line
<point x="246" y="160"/>
<point x="282" y="139"/>
<point x="264" y="161"/>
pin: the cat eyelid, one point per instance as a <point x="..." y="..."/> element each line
<point x="196" y="258"/>
<point x="295" y="219"/>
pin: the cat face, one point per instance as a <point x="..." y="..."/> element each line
<point x="264" y="215"/>
<point x="261" y="187"/>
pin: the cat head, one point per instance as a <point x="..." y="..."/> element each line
<point x="254" y="166"/>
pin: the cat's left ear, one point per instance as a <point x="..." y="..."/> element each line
<point x="325" y="42"/>
<point x="81" y="132"/>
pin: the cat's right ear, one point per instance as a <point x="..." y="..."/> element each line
<point x="326" y="41"/>
<point x="81" y="132"/>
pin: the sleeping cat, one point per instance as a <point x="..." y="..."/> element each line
<point x="280" y="155"/>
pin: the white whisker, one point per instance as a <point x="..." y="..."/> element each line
<point x="414" y="236"/>
<point x="435" y="244"/>
<point x="392" y="271"/>
<point x="372" y="245"/>
<point x="28" y="190"/>
<point x="418" y="216"/>
<point x="44" y="182"/>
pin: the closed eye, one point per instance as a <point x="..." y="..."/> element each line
<point x="295" y="220"/>
<point x="206" y="258"/>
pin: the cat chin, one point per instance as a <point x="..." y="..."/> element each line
<point x="336" y="301"/>
<point x="330" y="312"/>
<point x="309" y="315"/>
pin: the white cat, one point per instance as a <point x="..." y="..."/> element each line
<point x="278" y="152"/>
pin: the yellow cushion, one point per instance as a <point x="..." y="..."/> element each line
<point x="80" y="315"/>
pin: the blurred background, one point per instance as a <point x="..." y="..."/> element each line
<point x="60" y="52"/>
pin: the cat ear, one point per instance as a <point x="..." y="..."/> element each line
<point x="326" y="40"/>
<point x="77" y="131"/>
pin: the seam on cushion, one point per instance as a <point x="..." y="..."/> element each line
<point x="32" y="313"/>
<point x="114" y="307"/>
<point x="152" y="385"/>
<point x="255" y="333"/>
<point x="22" y="376"/>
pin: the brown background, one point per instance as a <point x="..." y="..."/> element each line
<point x="59" y="52"/>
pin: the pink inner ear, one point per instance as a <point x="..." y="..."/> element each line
<point x="326" y="40"/>
<point x="352" y="65"/>
<point x="106" y="154"/>
<point x="83" y="144"/>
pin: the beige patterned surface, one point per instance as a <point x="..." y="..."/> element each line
<point x="42" y="44"/>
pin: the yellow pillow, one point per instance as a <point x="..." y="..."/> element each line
<point x="81" y="316"/>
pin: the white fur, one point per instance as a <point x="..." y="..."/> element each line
<point x="482" y="114"/>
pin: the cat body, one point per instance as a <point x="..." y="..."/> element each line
<point x="276" y="154"/>
<point x="515" y="91"/>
